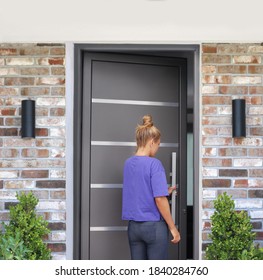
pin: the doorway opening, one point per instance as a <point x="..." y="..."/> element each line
<point x="116" y="84"/>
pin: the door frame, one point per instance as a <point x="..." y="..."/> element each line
<point x="192" y="53"/>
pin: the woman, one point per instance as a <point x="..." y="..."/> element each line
<point x="145" y="203"/>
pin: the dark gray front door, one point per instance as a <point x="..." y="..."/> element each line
<point x="117" y="91"/>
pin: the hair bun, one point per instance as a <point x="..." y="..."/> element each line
<point x="147" y="121"/>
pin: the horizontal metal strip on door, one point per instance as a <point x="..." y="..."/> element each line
<point x="106" y="186"/>
<point x="108" y="169"/>
<point x="108" y="228"/>
<point x="112" y="186"/>
<point x="133" y="144"/>
<point x="135" y="102"/>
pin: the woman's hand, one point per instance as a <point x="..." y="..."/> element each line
<point x="171" y="189"/>
<point x="176" y="235"/>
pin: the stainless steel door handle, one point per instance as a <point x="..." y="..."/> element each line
<point x="173" y="202"/>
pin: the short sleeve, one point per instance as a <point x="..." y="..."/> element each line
<point x="158" y="179"/>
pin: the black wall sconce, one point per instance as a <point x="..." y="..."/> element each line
<point x="28" y="119"/>
<point x="238" y="118"/>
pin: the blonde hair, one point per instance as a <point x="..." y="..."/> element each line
<point x="146" y="131"/>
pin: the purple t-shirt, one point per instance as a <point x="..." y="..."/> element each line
<point x="143" y="179"/>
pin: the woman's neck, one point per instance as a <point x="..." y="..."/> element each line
<point x="143" y="151"/>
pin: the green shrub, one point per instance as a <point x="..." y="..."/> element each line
<point x="232" y="236"/>
<point x="255" y="253"/>
<point x="26" y="231"/>
<point x="12" y="248"/>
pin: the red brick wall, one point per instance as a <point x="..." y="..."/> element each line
<point x="35" y="71"/>
<point x="233" y="165"/>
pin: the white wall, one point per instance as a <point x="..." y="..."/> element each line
<point x="131" y="21"/>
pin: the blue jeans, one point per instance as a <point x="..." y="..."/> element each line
<point x="148" y="240"/>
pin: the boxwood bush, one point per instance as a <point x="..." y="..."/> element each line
<point x="23" y="237"/>
<point x="232" y="236"/>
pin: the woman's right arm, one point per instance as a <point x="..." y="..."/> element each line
<point x="164" y="208"/>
